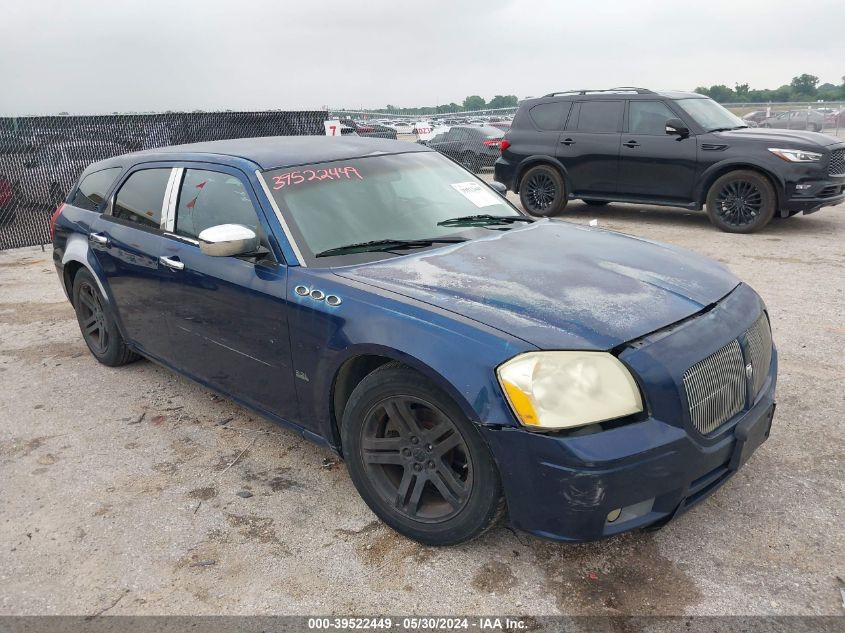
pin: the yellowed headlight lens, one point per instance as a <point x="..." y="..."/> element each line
<point x="559" y="390"/>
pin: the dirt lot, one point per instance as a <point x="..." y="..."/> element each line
<point x="117" y="493"/>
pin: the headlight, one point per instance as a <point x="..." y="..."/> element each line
<point x="795" y="155"/>
<point x="560" y="390"/>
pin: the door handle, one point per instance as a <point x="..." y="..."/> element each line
<point x="172" y="263"/>
<point x="568" y="141"/>
<point x="631" y="144"/>
<point x="98" y="238"/>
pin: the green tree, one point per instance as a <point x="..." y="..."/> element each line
<point x="721" y="93"/>
<point x="503" y="101"/>
<point x="804" y="86"/>
<point x="474" y="102"/>
<point x="741" y="91"/>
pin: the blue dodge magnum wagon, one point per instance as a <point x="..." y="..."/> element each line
<point x="465" y="359"/>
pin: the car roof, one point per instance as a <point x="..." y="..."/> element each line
<point x="614" y="94"/>
<point x="271" y="152"/>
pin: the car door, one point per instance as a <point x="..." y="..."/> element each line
<point x="228" y="316"/>
<point x="127" y="242"/>
<point x="451" y="143"/>
<point x="589" y="146"/>
<point x="653" y="164"/>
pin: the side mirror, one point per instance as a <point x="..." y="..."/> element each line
<point x="228" y="240"/>
<point x="499" y="188"/>
<point x="676" y="127"/>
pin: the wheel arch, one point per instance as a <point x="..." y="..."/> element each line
<point x="717" y="171"/>
<point x="360" y="363"/>
<point x="540" y="159"/>
<point x="78" y="255"/>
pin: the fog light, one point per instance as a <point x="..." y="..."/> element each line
<point x="613" y="515"/>
<point x="802" y="187"/>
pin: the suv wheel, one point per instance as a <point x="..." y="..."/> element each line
<point x="741" y="202"/>
<point x="542" y="191"/>
<point x="417" y="461"/>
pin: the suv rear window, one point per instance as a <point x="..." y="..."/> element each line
<point x="141" y="196"/>
<point x="549" y="116"/>
<point x="91" y="192"/>
<point x="601" y="117"/>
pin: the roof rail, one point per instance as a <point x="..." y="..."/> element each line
<point x="625" y="89"/>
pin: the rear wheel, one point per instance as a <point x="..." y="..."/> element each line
<point x="469" y="161"/>
<point x="97" y="323"/>
<point x="741" y="202"/>
<point x="542" y="191"/>
<point x="595" y="203"/>
<point x="417" y="461"/>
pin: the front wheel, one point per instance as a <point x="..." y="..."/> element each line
<point x="417" y="461"/>
<point x="741" y="201"/>
<point x="542" y="191"/>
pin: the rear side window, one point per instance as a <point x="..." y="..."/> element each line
<point x="601" y="117"/>
<point x="140" y="198"/>
<point x="209" y="198"/>
<point x="549" y="116"/>
<point x="648" y="117"/>
<point x="93" y="188"/>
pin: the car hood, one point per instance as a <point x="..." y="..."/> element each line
<point x="771" y="135"/>
<point x="557" y="285"/>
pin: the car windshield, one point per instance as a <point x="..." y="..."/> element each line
<point x="390" y="197"/>
<point x="710" y="115"/>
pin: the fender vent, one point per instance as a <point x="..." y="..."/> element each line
<point x="713" y="147"/>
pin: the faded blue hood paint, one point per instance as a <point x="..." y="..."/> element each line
<point x="558" y="285"/>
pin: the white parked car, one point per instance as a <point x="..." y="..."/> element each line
<point x="402" y="127"/>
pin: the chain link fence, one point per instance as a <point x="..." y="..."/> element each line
<point x="42" y="156"/>
<point x="822" y="116"/>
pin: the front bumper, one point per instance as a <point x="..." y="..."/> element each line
<point x="563" y="487"/>
<point x="815" y="194"/>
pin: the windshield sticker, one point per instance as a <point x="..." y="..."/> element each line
<point x="306" y="175"/>
<point x="476" y="194"/>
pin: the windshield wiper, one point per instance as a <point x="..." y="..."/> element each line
<point x="387" y="245"/>
<point x="728" y="129"/>
<point x="484" y="219"/>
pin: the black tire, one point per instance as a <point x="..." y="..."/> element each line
<point x="470" y="162"/>
<point x="595" y="203"/>
<point x="96" y="323"/>
<point x="741" y="201"/>
<point x="417" y="461"/>
<point x="542" y="191"/>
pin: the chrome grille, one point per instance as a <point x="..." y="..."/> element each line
<point x="716" y="388"/>
<point x="759" y="338"/>
<point x="836" y="166"/>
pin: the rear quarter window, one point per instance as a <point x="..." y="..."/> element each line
<point x="549" y="116"/>
<point x="92" y="190"/>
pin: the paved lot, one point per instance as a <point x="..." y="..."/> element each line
<point x="117" y="492"/>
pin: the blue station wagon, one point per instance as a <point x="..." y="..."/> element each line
<point x="466" y="360"/>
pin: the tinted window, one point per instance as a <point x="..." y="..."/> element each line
<point x="548" y="116"/>
<point x="209" y="198"/>
<point x="141" y="196"/>
<point x="648" y="117"/>
<point x="599" y="116"/>
<point x="93" y="188"/>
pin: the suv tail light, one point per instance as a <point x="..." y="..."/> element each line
<point x="55" y="217"/>
<point x="504" y="144"/>
<point x="493" y="142"/>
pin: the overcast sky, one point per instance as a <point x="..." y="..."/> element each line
<point x="106" y="55"/>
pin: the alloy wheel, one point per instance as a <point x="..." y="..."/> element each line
<point x="416" y="459"/>
<point x="739" y="203"/>
<point x="93" y="319"/>
<point x="540" y="191"/>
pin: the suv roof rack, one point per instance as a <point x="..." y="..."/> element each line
<point x="618" y="89"/>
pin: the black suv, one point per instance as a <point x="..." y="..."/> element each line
<point x="669" y="148"/>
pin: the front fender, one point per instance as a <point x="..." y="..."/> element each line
<point x="709" y="175"/>
<point x="457" y="354"/>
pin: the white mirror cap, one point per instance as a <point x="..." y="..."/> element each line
<point x="226" y="233"/>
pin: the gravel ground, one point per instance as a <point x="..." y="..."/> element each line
<point x="118" y="491"/>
